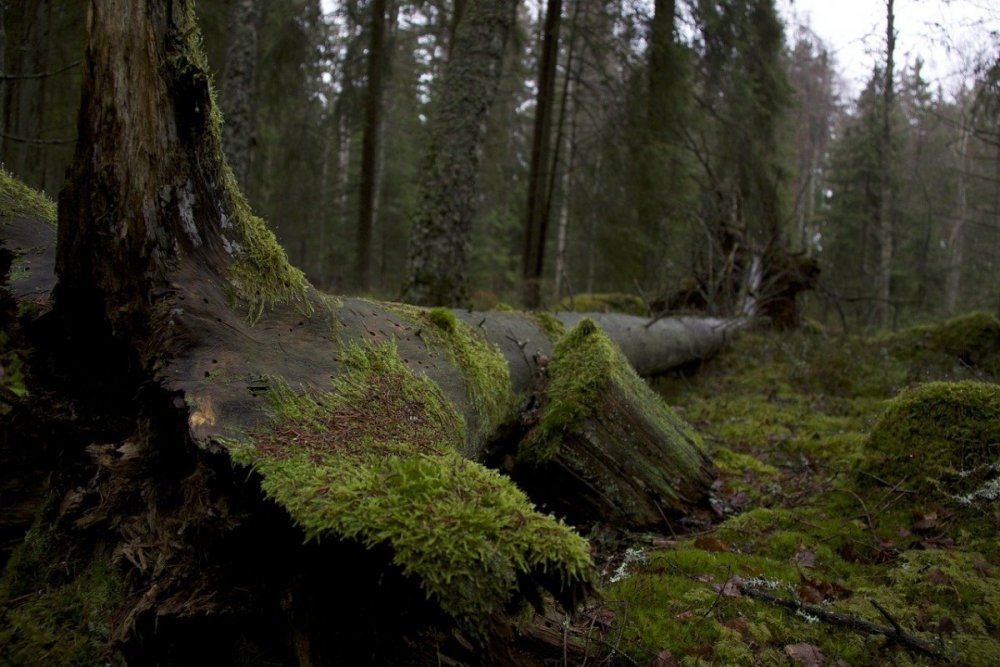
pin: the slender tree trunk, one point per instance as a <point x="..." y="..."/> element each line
<point x="3" y="68"/>
<point x="238" y="89"/>
<point x="956" y="236"/>
<point x="438" y="268"/>
<point x="562" y="262"/>
<point x="883" y="285"/>
<point x="656" y="179"/>
<point x="370" y="143"/>
<point x="457" y="9"/>
<point x="533" y="255"/>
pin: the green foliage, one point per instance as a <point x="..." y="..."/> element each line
<point x="17" y="199"/>
<point x="56" y="612"/>
<point x="376" y="460"/>
<point x="554" y="328"/>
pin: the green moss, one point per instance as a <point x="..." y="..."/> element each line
<point x="604" y="303"/>
<point x="17" y="199"/>
<point x="259" y="272"/>
<point x="375" y="459"/>
<point x="735" y="463"/>
<point x="443" y="319"/>
<point x="966" y="346"/>
<point x="805" y="410"/>
<point x="937" y="435"/>
<point x="54" y="611"/>
<point x="586" y="363"/>
<point x="554" y="329"/>
<point x="483" y="367"/>
<point x="12" y="381"/>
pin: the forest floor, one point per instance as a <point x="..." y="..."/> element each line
<point x="851" y="492"/>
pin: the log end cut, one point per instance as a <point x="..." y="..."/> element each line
<point x="605" y="447"/>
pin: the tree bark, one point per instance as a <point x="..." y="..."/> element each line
<point x="181" y="343"/>
<point x="370" y="143"/>
<point x="439" y="246"/>
<point x="536" y="225"/>
<point x="883" y="286"/>
<point x="239" y="87"/>
<point x="956" y="236"/>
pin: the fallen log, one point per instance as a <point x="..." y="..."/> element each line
<point x="180" y="342"/>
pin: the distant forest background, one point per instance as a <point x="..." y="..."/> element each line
<point x="678" y="151"/>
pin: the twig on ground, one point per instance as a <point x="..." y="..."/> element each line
<point x="894" y="633"/>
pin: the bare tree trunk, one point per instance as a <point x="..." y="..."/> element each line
<point x="956" y="236"/>
<point x="370" y="148"/>
<point x="239" y="89"/>
<point x="883" y="285"/>
<point x="533" y="255"/>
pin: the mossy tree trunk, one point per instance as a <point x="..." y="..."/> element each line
<point x="181" y="343"/>
<point x="438" y="269"/>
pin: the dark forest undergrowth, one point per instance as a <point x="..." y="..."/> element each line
<point x="858" y="483"/>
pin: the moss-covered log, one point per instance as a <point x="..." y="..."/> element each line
<point x="181" y="343"/>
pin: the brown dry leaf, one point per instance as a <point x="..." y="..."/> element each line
<point x="810" y="594"/>
<point x="805" y="556"/>
<point x="938" y="543"/>
<point x="740" y="625"/>
<point x="683" y="616"/>
<point x="601" y="616"/>
<point x="703" y="651"/>
<point x="809" y="589"/>
<point x="946" y="626"/>
<point x="705" y="578"/>
<point x="730" y="589"/>
<point x="938" y="578"/>
<point x="710" y="543"/>
<point x="665" y="659"/>
<point x="805" y="654"/>
<point x="925" y="522"/>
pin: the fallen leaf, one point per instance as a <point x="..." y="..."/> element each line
<point x="938" y="543"/>
<point x="810" y="594"/>
<point x="602" y="616"/>
<point x="946" y="626"/>
<point x="938" y="578"/>
<point x="730" y="589"/>
<point x="705" y="578"/>
<point x="710" y="543"/>
<point x="982" y="568"/>
<point x="683" y="616"/>
<point x="665" y="659"/>
<point x="740" y="625"/>
<point x="925" y="522"/>
<point x="703" y="651"/>
<point x="809" y="590"/>
<point x="738" y="499"/>
<point x="805" y="556"/>
<point x="805" y="654"/>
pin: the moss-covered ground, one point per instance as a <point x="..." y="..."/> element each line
<point x="853" y="472"/>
